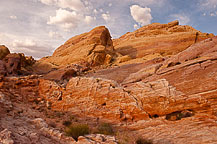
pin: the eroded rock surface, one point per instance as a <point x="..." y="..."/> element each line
<point x="168" y="97"/>
<point x="94" y="48"/>
<point x="4" y="51"/>
<point x="157" y="40"/>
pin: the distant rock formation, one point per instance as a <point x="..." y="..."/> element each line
<point x="13" y="63"/>
<point x="158" y="40"/>
<point x="93" y="48"/>
<point x="3" y="51"/>
<point x="152" y="41"/>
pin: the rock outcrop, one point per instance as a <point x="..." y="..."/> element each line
<point x="157" y="40"/>
<point x="4" y="51"/>
<point x="159" y="83"/>
<point x="16" y="64"/>
<point x="93" y="48"/>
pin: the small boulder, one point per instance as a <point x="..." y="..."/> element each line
<point x="4" y="51"/>
<point x="13" y="63"/>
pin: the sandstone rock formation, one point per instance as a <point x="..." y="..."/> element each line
<point x="3" y="51"/>
<point x="158" y="40"/>
<point x="94" y="48"/>
<point x="13" y="63"/>
<point x="164" y="90"/>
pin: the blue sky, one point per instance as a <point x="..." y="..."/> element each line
<point x="38" y="27"/>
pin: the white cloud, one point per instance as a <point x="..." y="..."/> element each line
<point x="141" y="15"/>
<point x="183" y="19"/>
<point x="27" y="43"/>
<point x="76" y="5"/>
<point x="101" y="10"/>
<point x="49" y="2"/>
<point x="110" y="4"/>
<point x="106" y="17"/>
<point x="86" y="2"/>
<point x="212" y="14"/>
<point x="65" y="19"/>
<point x="30" y="48"/>
<point x="13" y="17"/>
<point x="135" y="26"/>
<point x="208" y="4"/>
<point x="95" y="11"/>
<point x="88" y="19"/>
<point x="55" y="35"/>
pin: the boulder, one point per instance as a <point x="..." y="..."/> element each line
<point x="13" y="63"/>
<point x="94" y="48"/>
<point x="4" y="51"/>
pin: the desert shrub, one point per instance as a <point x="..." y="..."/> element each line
<point x="67" y="123"/>
<point x="143" y="141"/>
<point x="77" y="130"/>
<point x="106" y="129"/>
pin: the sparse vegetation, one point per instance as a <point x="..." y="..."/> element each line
<point x="143" y="141"/>
<point x="106" y="129"/>
<point x="77" y="130"/>
<point x="67" y="123"/>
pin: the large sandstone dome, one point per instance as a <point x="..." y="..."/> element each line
<point x="155" y="40"/>
<point x="94" y="48"/>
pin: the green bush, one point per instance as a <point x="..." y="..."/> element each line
<point x="143" y="141"/>
<point x="106" y="129"/>
<point x="77" y="130"/>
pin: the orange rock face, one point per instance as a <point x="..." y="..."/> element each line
<point x="94" y="48"/>
<point x="149" y="95"/>
<point x="4" y="51"/>
<point x="168" y="97"/>
<point x="160" y="39"/>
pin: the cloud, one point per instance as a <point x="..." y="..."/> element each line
<point x="49" y="2"/>
<point x="27" y="43"/>
<point x="212" y="14"/>
<point x="183" y="18"/>
<point x="13" y="17"/>
<point x="55" y="35"/>
<point x="95" y="11"/>
<point x="208" y="4"/>
<point x="89" y="19"/>
<point x="76" y="5"/>
<point x="106" y="17"/>
<point x="31" y="48"/>
<point x="65" y="19"/>
<point x="135" y="26"/>
<point x="110" y="4"/>
<point x="141" y="15"/>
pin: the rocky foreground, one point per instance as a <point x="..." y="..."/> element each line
<point x="158" y="83"/>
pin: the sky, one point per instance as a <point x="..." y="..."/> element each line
<point x="37" y="27"/>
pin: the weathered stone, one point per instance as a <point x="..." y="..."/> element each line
<point x="4" y="51"/>
<point x="91" y="47"/>
<point x="168" y="99"/>
<point x="5" y="137"/>
<point x="3" y="70"/>
<point x="162" y="39"/>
